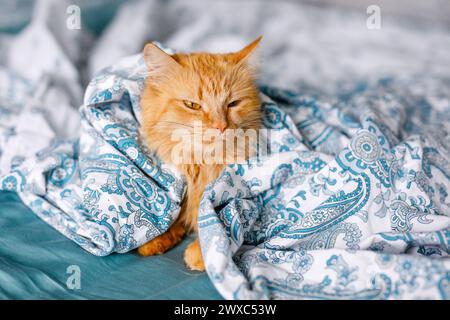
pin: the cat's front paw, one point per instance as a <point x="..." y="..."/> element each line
<point x="193" y="256"/>
<point x="163" y="242"/>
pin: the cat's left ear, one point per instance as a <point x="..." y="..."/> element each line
<point x="159" y="63"/>
<point x="247" y="53"/>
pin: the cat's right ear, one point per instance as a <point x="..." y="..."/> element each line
<point x="247" y="53"/>
<point x="159" y="64"/>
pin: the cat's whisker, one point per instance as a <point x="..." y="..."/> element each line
<point x="176" y="123"/>
<point x="251" y="124"/>
<point x="173" y="126"/>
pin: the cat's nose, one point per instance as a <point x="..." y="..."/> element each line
<point x="221" y="127"/>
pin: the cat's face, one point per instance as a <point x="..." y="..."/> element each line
<point x="217" y="91"/>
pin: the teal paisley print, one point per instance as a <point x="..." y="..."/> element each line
<point x="351" y="202"/>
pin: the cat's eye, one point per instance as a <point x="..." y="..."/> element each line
<point x="191" y="105"/>
<point x="233" y="103"/>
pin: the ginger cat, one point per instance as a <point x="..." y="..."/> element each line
<point x="217" y="90"/>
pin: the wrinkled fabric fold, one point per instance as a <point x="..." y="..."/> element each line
<point x="101" y="187"/>
<point x="350" y="205"/>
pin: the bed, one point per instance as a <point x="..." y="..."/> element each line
<point x="322" y="51"/>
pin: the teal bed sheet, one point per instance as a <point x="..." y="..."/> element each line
<point x="34" y="262"/>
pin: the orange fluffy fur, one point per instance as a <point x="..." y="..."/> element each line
<point x="222" y="88"/>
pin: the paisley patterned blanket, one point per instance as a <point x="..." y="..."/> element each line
<point x="354" y="205"/>
<point x="352" y="202"/>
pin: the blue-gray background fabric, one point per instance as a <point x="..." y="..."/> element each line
<point x="34" y="259"/>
